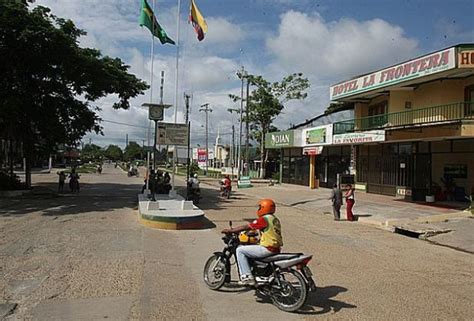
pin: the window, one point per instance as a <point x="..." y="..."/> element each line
<point x="377" y="116"/>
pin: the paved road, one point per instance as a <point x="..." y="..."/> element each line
<point x="85" y="257"/>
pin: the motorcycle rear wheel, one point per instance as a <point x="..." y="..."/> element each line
<point x="215" y="271"/>
<point x="293" y="292"/>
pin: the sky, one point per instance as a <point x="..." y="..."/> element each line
<point x="328" y="41"/>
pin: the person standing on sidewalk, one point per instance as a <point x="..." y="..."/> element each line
<point x="62" y="179"/>
<point x="336" y="198"/>
<point x="350" y="200"/>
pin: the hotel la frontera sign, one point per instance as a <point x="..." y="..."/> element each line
<point x="416" y="68"/>
<point x="359" y="138"/>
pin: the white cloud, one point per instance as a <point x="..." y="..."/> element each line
<point x="329" y="52"/>
<point x="344" y="48"/>
<point x="223" y="32"/>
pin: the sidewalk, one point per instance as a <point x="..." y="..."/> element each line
<point x="438" y="224"/>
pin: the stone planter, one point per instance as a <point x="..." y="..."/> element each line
<point x="429" y="198"/>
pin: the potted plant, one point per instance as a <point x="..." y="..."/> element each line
<point x="430" y="195"/>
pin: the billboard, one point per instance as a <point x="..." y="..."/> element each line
<point x="172" y="134"/>
<point x="321" y="135"/>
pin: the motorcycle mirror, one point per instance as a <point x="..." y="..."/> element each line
<point x="230" y="224"/>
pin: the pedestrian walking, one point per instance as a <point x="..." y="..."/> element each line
<point x="62" y="179"/>
<point x="336" y="198"/>
<point x="350" y="200"/>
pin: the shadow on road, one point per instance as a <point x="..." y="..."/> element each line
<point x="322" y="301"/>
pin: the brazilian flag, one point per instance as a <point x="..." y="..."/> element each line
<point x="147" y="19"/>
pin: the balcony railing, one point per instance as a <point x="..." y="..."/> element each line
<point x="429" y="115"/>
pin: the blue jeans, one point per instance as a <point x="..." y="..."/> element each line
<point x="250" y="251"/>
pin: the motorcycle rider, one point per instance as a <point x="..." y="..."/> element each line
<point x="194" y="183"/>
<point x="270" y="239"/>
<point x="227" y="185"/>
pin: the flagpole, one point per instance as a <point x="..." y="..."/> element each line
<point x="151" y="102"/>
<point x="176" y="87"/>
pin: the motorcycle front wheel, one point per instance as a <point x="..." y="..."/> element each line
<point x="289" y="294"/>
<point x="215" y="271"/>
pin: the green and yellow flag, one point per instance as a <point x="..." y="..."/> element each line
<point x="148" y="19"/>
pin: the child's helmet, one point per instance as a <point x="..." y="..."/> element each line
<point x="266" y="206"/>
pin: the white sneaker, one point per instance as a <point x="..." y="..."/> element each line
<point x="247" y="280"/>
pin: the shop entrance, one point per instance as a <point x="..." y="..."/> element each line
<point x="389" y="166"/>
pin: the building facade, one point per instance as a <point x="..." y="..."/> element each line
<point x="412" y="133"/>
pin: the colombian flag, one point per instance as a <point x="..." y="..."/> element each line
<point x="196" y="18"/>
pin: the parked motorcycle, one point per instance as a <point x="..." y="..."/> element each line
<point x="284" y="277"/>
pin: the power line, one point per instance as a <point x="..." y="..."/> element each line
<point x="125" y="124"/>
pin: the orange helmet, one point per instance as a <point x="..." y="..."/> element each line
<point x="266" y="206"/>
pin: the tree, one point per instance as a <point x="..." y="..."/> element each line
<point x="132" y="151"/>
<point x="113" y="152"/>
<point x="49" y="83"/>
<point x="267" y="101"/>
<point x="92" y="152"/>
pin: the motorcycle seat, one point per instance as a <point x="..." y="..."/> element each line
<point x="279" y="257"/>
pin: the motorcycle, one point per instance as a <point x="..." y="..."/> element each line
<point x="284" y="277"/>
<point x="194" y="194"/>
<point x="132" y="172"/>
<point x="224" y="191"/>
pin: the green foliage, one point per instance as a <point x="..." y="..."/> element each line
<point x="9" y="182"/>
<point x="193" y="167"/>
<point x="92" y="152"/>
<point x="50" y="82"/>
<point x="113" y="152"/>
<point x="133" y="151"/>
<point x="267" y="100"/>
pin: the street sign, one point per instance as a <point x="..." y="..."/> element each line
<point x="244" y="182"/>
<point x="172" y="134"/>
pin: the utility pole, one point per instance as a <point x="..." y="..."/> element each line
<point x="232" y="152"/>
<point x="188" y="161"/>
<point x="239" y="167"/>
<point x="247" y="145"/>
<point x="205" y="108"/>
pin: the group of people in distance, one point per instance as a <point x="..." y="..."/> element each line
<point x="159" y="182"/>
<point x="73" y="181"/>
<point x="336" y="198"/>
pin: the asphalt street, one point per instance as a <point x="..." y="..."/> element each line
<point x="86" y="257"/>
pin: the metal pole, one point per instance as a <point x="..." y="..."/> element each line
<point x="240" y="129"/>
<point x="147" y="174"/>
<point x="232" y="152"/>
<point x="186" y="97"/>
<point x="247" y="145"/>
<point x="206" y="109"/>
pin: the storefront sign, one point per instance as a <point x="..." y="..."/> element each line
<point x="466" y="59"/>
<point x="359" y="138"/>
<point x="315" y="150"/>
<point x="403" y="191"/>
<point x="321" y="135"/>
<point x="201" y="157"/>
<point x="280" y="139"/>
<point x="416" y="68"/>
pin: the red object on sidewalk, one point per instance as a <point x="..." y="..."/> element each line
<point x="349" y="205"/>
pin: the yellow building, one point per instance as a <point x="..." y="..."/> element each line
<point x="413" y="127"/>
